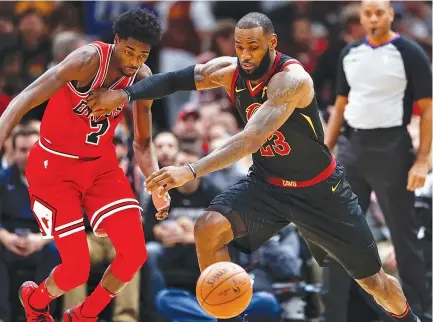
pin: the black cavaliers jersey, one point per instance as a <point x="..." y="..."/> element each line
<point x="296" y="152"/>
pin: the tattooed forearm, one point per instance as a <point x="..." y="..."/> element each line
<point x="214" y="73"/>
<point x="235" y="149"/>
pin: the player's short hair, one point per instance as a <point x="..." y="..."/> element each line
<point x="139" y="24"/>
<point x="25" y="131"/>
<point x="255" y="20"/>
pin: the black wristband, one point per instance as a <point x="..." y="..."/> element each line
<point x="161" y="85"/>
<point x="192" y="170"/>
<point x="128" y="93"/>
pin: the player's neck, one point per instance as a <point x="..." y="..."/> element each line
<point x="258" y="81"/>
<point x="113" y="74"/>
<point x="378" y="41"/>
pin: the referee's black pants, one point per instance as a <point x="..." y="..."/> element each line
<point x="379" y="160"/>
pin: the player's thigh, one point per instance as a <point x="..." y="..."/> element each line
<point x="57" y="209"/>
<point x="334" y="222"/>
<point x="254" y="213"/>
<point x="110" y="194"/>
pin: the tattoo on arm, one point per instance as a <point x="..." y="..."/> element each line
<point x="284" y="94"/>
<point x="285" y="91"/>
<point x="214" y="73"/>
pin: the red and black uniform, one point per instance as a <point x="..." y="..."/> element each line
<point x="295" y="179"/>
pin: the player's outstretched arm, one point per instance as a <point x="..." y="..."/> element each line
<point x="215" y="73"/>
<point x="287" y="90"/>
<point x="144" y="149"/>
<point x="76" y="66"/>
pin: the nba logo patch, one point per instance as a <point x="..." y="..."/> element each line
<point x="46" y="164"/>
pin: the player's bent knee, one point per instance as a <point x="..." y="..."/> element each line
<point x="212" y="230"/>
<point x="375" y="284"/>
<point x="68" y="276"/>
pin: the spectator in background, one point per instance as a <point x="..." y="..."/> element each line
<point x="35" y="49"/>
<point x="166" y="148"/>
<point x="188" y="27"/>
<point x="21" y="244"/>
<point x="64" y="43"/>
<point x="44" y="8"/>
<point x="7" y="152"/>
<point x="325" y="72"/>
<point x="418" y="22"/>
<point x="188" y="128"/>
<point x="8" y="36"/>
<point x="33" y="44"/>
<point x="229" y="176"/>
<point x="222" y="44"/>
<point x="65" y="17"/>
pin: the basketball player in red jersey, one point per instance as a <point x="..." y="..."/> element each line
<point x="294" y="178"/>
<point x="74" y="164"/>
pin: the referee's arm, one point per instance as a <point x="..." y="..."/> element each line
<point x="419" y="76"/>
<point x="337" y="114"/>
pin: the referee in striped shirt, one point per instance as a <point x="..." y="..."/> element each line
<point x="379" y="80"/>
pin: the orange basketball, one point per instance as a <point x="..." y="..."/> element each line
<point x="224" y="290"/>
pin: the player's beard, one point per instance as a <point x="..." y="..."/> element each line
<point x="259" y="71"/>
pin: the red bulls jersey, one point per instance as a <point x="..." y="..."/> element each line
<point x="68" y="129"/>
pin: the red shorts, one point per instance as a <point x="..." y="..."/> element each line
<point x="62" y="187"/>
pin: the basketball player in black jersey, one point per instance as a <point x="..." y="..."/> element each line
<point x="294" y="178"/>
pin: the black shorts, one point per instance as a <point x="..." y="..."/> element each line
<point x="327" y="215"/>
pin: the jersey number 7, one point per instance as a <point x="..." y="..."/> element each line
<point x="102" y="127"/>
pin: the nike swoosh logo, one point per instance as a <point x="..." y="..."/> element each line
<point x="239" y="90"/>
<point x="335" y="187"/>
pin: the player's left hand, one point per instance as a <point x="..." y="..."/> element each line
<point x="160" y="182"/>
<point x="161" y="205"/>
<point x="417" y="175"/>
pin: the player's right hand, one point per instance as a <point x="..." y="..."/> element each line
<point x="103" y="101"/>
<point x="162" y="205"/>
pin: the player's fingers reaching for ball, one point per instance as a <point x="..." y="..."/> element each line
<point x="159" y="183"/>
<point x="153" y="175"/>
<point x="154" y="183"/>
<point x="165" y="188"/>
<point x="161" y="215"/>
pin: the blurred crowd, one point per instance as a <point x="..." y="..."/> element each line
<point x="35" y="35"/>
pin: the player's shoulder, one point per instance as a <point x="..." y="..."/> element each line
<point x="408" y="46"/>
<point x="86" y="58"/>
<point x="143" y="72"/>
